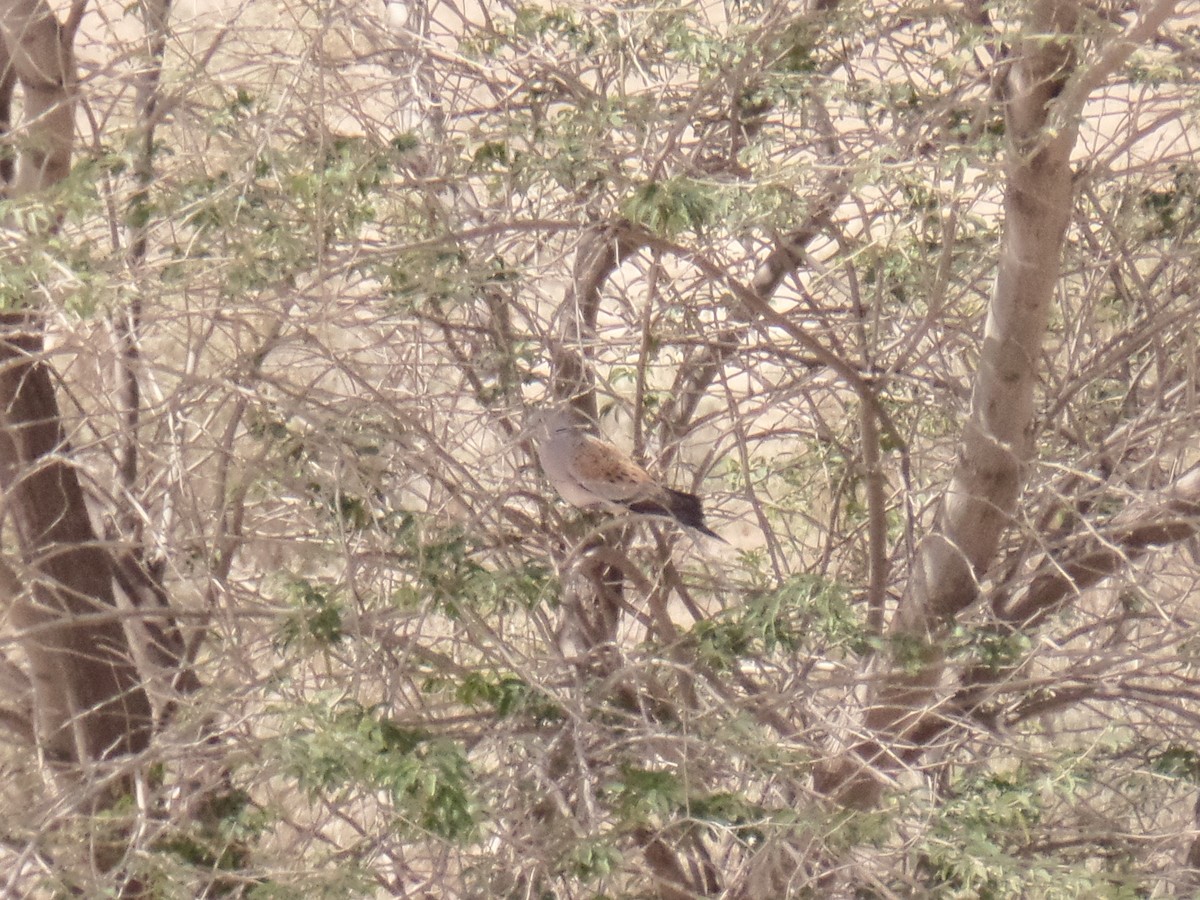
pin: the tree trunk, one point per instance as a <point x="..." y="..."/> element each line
<point x="89" y="700"/>
<point x="998" y="436"/>
<point x="1044" y="97"/>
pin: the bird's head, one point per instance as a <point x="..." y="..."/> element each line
<point x="548" y="420"/>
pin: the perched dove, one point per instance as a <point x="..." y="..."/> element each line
<point x="588" y="472"/>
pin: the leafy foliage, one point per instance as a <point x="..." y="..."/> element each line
<point x="348" y="750"/>
<point x="372" y="251"/>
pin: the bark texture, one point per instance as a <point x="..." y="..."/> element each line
<point x="1044" y="94"/>
<point x="89" y="700"/>
<point x="998" y="437"/>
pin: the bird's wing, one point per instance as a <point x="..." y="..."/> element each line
<point x="603" y="470"/>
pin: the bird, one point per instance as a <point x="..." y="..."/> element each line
<point x="588" y="472"/>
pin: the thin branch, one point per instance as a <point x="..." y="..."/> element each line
<point x="1172" y="517"/>
<point x="1084" y="82"/>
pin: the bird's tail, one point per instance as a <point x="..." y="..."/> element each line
<point x="685" y="508"/>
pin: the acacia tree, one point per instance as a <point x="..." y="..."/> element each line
<point x="88" y="701"/>
<point x="1045" y="93"/>
<point x="896" y="290"/>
